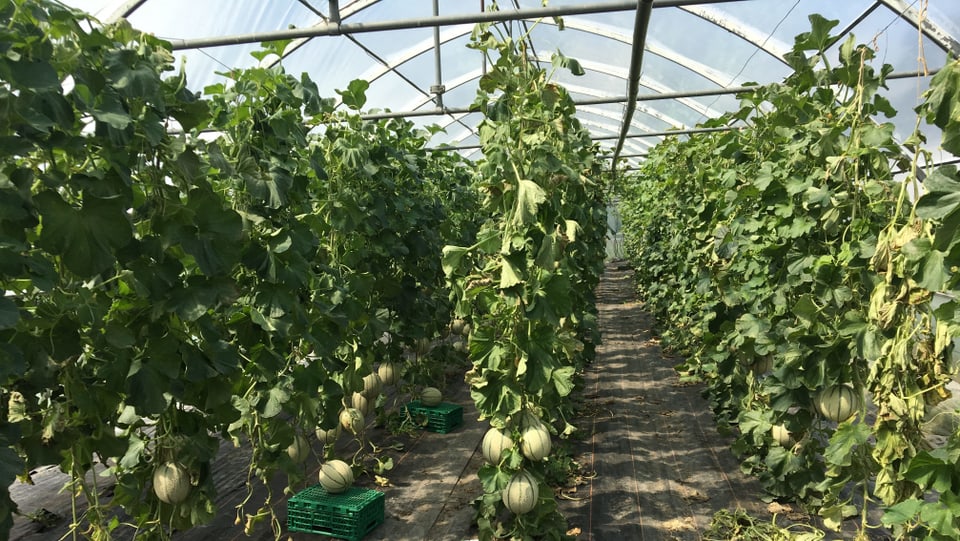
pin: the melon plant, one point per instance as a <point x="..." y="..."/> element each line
<point x="388" y="372"/>
<point x="171" y="482"/>
<point x="521" y="493"/>
<point x="351" y="419"/>
<point x="335" y="476"/>
<point x="494" y="444"/>
<point x="838" y="402"/>
<point x="535" y="442"/>
<point x="299" y="449"/>
<point x="328" y="435"/>
<point x="431" y="396"/>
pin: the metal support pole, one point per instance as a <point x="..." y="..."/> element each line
<point x="644" y="9"/>
<point x="334" y="11"/>
<point x="437" y="89"/>
<point x="330" y="29"/>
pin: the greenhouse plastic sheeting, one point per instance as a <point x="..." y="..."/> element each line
<point x="690" y="47"/>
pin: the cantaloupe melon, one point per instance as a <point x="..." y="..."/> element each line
<point x="335" y="476"/>
<point x="299" y="449"/>
<point x="494" y="444"/>
<point x="328" y="436"/>
<point x="171" y="482"/>
<point x="388" y="373"/>
<point x="521" y="493"/>
<point x="430" y="396"/>
<point x="838" y="402"/>
<point x="352" y="420"/>
<point x="535" y="442"/>
<point x="372" y="385"/>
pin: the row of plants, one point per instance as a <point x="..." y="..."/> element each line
<point x="526" y="285"/>
<point x="790" y="259"/>
<point x="182" y="270"/>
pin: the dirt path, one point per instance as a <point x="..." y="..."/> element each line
<point x="661" y="469"/>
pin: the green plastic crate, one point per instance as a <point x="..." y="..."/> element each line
<point x="350" y="515"/>
<point x="442" y="418"/>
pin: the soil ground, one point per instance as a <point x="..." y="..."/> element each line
<point x="653" y="465"/>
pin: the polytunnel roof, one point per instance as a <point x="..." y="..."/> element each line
<point x="695" y="53"/>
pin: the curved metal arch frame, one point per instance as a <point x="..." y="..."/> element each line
<point x="703" y="10"/>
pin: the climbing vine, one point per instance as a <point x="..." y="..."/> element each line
<point x="526" y="285"/>
<point x="180" y="271"/>
<point x="784" y="258"/>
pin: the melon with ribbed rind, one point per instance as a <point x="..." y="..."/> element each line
<point x="535" y="442"/>
<point x="171" y="482"/>
<point x="838" y="402"/>
<point x="388" y="373"/>
<point x="430" y="396"/>
<point x="372" y="385"/>
<point x="299" y="449"/>
<point x="494" y="444"/>
<point x="521" y="493"/>
<point x="352" y="420"/>
<point x="335" y="476"/>
<point x="329" y="435"/>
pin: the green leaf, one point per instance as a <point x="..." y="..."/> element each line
<point x="451" y="258"/>
<point x="943" y="193"/>
<point x="35" y="75"/>
<point x="355" y="95"/>
<point x="563" y="380"/>
<point x="902" y="512"/>
<point x="130" y="75"/>
<point x="9" y="313"/>
<point x="529" y="197"/>
<point x="806" y="309"/>
<point x="560" y="61"/>
<point x="276" y="398"/>
<point x="509" y="274"/>
<point x="818" y="38"/>
<point x="87" y="238"/>
<point x="847" y="437"/>
<point x="930" y="472"/>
